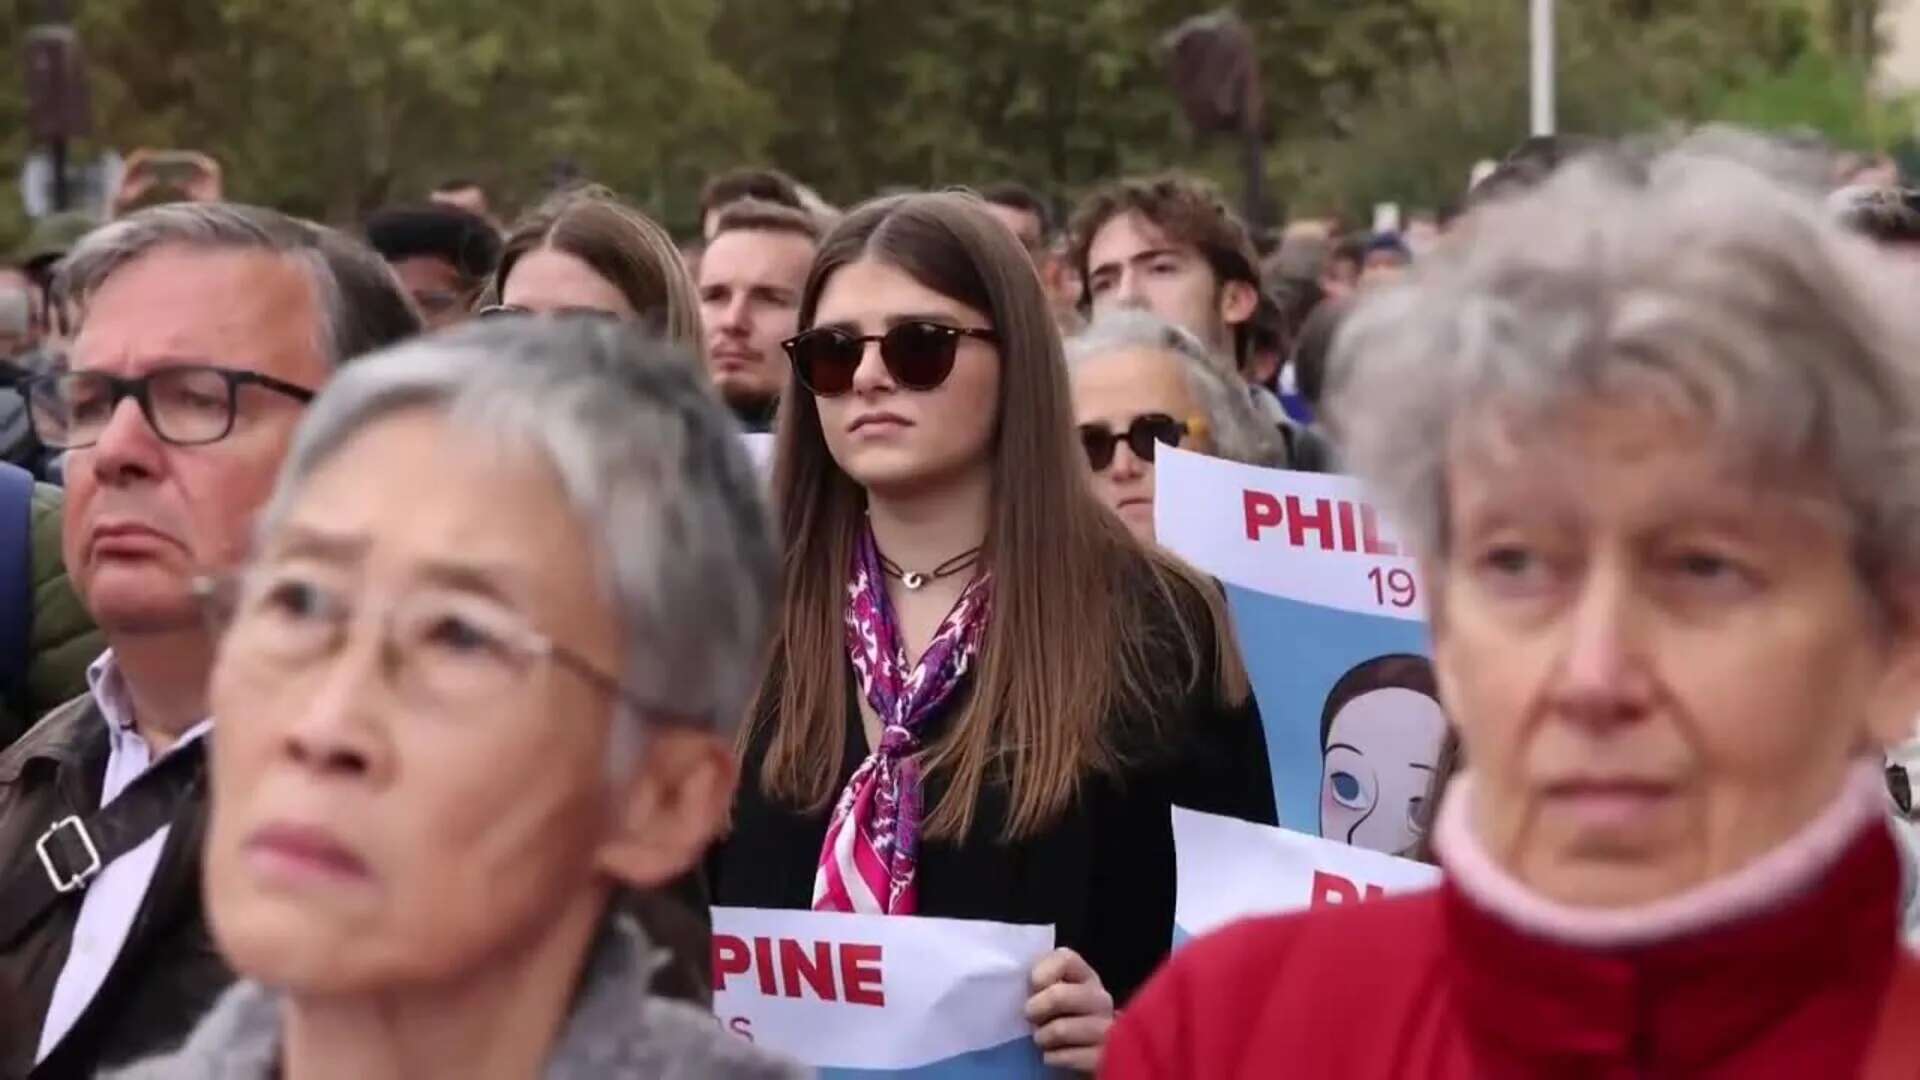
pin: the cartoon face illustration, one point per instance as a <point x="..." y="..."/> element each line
<point x="1381" y="735"/>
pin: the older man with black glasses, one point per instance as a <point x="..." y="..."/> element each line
<point x="201" y="331"/>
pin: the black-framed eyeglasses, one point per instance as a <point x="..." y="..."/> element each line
<point x="919" y="355"/>
<point x="441" y="649"/>
<point x="1143" y="436"/>
<point x="189" y="405"/>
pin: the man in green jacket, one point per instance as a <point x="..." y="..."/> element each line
<point x="62" y="641"/>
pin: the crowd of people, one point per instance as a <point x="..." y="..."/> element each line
<point x="404" y="651"/>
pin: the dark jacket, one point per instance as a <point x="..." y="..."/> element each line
<point x="1102" y="873"/>
<point x="167" y="973"/>
<point x="64" y="640"/>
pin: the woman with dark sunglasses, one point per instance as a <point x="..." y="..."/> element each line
<point x="1139" y="383"/>
<point x="983" y="696"/>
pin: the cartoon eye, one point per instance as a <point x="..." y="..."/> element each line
<point x="1346" y="790"/>
<point x="1417" y="814"/>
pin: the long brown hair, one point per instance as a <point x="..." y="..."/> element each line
<point x="1080" y="610"/>
<point x="622" y="245"/>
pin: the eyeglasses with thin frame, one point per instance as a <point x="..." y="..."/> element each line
<point x="186" y="405"/>
<point x="1143" y="437"/>
<point x="444" y="650"/>
<point x="918" y="354"/>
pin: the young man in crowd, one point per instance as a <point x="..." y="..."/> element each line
<point x="764" y="185"/>
<point x="750" y="276"/>
<point x="1026" y="214"/>
<point x="442" y="254"/>
<point x="208" y="327"/>
<point x="1170" y="245"/>
<point x="1022" y="211"/>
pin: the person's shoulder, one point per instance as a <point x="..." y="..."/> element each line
<point x="238" y="1039"/>
<point x="60" y="734"/>
<point x="1279" y="987"/>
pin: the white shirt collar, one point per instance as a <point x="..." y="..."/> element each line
<point x="109" y="687"/>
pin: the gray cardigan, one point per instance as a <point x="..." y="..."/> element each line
<point x="616" y="1031"/>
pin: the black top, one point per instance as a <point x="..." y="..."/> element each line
<point x="1102" y="873"/>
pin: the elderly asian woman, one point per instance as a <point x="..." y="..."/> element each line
<point x="507" y="605"/>
<point x="1140" y="382"/>
<point x="1653" y="431"/>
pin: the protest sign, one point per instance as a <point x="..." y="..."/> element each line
<point x="1230" y="869"/>
<point x="1330" y="614"/>
<point x="880" y="995"/>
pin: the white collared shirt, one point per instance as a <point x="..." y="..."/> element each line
<point x="108" y="907"/>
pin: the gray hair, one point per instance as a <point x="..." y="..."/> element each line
<point x="1718" y="286"/>
<point x="650" y="461"/>
<point x="363" y="305"/>
<point x="1237" y="431"/>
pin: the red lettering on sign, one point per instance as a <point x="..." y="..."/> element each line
<point x="1332" y="889"/>
<point x="1262" y="510"/>
<point x="860" y="975"/>
<point x="763" y="963"/>
<point x="804" y="968"/>
<point x="1323" y="524"/>
<point x="1319" y="522"/>
<point x="729" y="958"/>
<point x="796" y="966"/>
<point x="1370" y="534"/>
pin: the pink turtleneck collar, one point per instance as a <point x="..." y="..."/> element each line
<point x="1794" y="867"/>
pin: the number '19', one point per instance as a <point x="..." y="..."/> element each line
<point x="1395" y="587"/>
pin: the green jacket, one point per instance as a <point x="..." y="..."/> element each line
<point x="64" y="640"/>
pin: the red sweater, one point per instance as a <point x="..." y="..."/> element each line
<point x="1435" y="986"/>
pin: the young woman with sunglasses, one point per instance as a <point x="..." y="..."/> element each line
<point x="1140" y="382"/>
<point x="983" y="694"/>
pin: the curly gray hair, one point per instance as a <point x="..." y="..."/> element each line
<point x="1711" y="281"/>
<point x="1237" y="431"/>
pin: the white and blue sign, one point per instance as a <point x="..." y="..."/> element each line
<point x="868" y="996"/>
<point x="1231" y="869"/>
<point x="1330" y="611"/>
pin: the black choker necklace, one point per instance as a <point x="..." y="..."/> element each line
<point x="914" y="580"/>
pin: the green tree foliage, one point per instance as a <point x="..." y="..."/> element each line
<point x="874" y="93"/>
<point x="1624" y="66"/>
<point x="333" y="107"/>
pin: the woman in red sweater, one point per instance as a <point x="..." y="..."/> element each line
<point x="1655" y="434"/>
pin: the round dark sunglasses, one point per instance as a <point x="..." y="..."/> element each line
<point x="919" y="355"/>
<point x="1143" y="437"/>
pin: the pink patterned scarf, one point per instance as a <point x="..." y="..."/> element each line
<point x="872" y="847"/>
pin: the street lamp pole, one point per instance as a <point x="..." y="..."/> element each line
<point x="1543" y="67"/>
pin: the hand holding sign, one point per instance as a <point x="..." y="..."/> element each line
<point x="1070" y="1010"/>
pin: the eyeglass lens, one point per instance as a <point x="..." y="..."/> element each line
<point x="186" y="406"/>
<point x="919" y="355"/>
<point x="1143" y="437"/>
